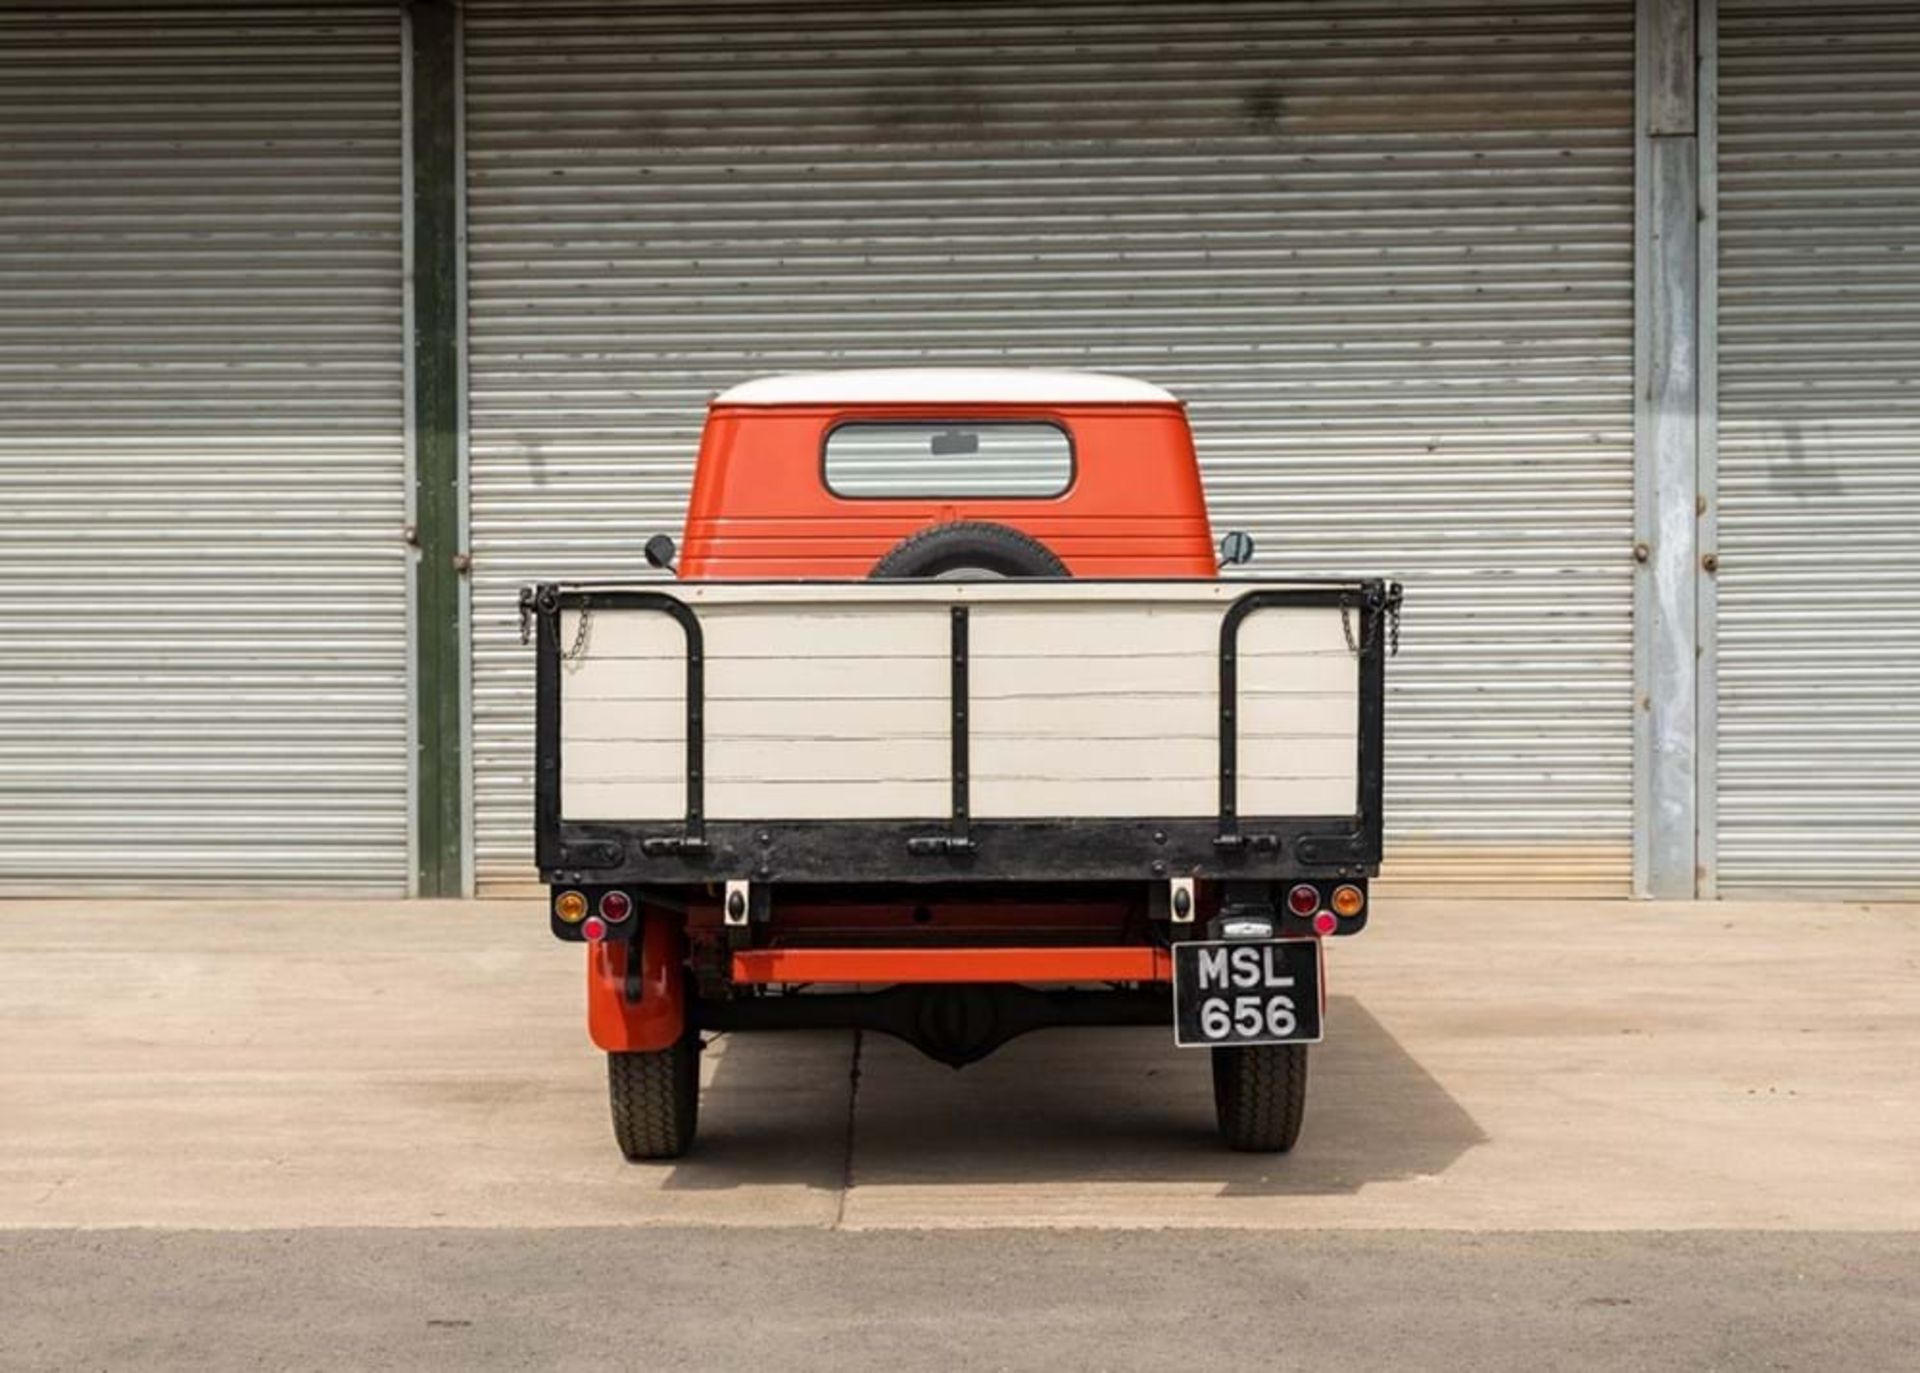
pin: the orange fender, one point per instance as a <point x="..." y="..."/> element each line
<point x="659" y="1017"/>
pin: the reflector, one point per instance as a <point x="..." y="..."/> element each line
<point x="1324" y="923"/>
<point x="595" y="929"/>
<point x="616" y="906"/>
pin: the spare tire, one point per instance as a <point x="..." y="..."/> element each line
<point x="968" y="548"/>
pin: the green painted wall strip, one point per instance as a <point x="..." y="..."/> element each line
<point x="436" y="415"/>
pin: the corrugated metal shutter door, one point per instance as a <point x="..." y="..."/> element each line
<point x="1385" y="251"/>
<point x="1819" y="583"/>
<point x="203" y="653"/>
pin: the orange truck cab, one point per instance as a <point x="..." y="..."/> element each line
<point x="948" y="728"/>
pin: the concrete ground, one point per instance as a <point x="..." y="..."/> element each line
<point x="1542" y="1093"/>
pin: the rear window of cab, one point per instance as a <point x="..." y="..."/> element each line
<point x="1014" y="459"/>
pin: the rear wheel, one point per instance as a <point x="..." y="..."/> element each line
<point x="656" y="1099"/>
<point x="1260" y="1096"/>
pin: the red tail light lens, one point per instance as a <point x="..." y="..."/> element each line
<point x="1324" y="923"/>
<point x="1304" y="899"/>
<point x="616" y="906"/>
<point x="594" y="928"/>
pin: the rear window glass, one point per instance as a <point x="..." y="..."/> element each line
<point x="941" y="458"/>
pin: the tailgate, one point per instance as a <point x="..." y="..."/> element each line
<point x="854" y="731"/>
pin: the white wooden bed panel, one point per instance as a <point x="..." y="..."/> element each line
<point x="623" y="718"/>
<point x="800" y="718"/>
<point x="868" y="631"/>
<point x="1312" y="631"/>
<point x="1114" y="711"/>
<point x="862" y="698"/>
<point x="787" y="799"/>
<point x="1140" y="777"/>
<point x="1028" y="798"/>
<point x="1319" y="715"/>
<point x="1094" y="630"/>
<point x="662" y="798"/>
<point x="996" y="678"/>
<point x="1116" y="718"/>
<point x="1171" y="798"/>
<point x="608" y="718"/>
<point x="622" y="634"/>
<point x="1293" y="795"/>
<point x="732" y="760"/>
<point x="846" y="682"/>
<point x="761" y="632"/>
<point x="785" y="779"/>
<point x="851" y="720"/>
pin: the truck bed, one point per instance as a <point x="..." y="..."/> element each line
<point x="866" y="731"/>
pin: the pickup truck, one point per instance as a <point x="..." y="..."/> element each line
<point x="948" y="727"/>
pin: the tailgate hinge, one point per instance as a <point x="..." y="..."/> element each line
<point x="595" y="853"/>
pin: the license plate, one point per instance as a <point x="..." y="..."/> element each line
<point x="1246" y="991"/>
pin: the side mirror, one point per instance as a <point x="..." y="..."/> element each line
<point x="1235" y="548"/>
<point x="660" y="552"/>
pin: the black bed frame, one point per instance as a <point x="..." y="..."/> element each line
<point x="958" y="847"/>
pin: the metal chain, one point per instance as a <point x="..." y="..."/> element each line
<point x="1391" y="613"/>
<point x="579" y="638"/>
<point x="579" y="646"/>
<point x="1346" y="626"/>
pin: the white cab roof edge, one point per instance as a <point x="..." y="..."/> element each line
<point x="944" y="385"/>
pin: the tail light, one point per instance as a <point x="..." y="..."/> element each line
<point x="1324" y="923"/>
<point x="615" y="906"/>
<point x="1348" y="900"/>
<point x="595" y="929"/>
<point x="571" y="906"/>
<point x="1304" y="899"/>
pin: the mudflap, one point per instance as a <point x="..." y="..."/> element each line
<point x="639" y="1008"/>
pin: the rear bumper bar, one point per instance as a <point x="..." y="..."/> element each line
<point x="840" y="851"/>
<point x="894" y="966"/>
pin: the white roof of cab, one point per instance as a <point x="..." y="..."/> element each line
<point x="945" y="385"/>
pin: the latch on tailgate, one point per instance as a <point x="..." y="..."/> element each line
<point x="664" y="845"/>
<point x="939" y="845"/>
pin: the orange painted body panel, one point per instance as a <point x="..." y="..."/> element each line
<point x="761" y="508"/>
<point x="1122" y="963"/>
<point x="658" y="1018"/>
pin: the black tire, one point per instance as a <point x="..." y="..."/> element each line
<point x="656" y="1099"/>
<point x="968" y="546"/>
<point x="1260" y="1096"/>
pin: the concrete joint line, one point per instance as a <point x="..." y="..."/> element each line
<point x="853" y="1108"/>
